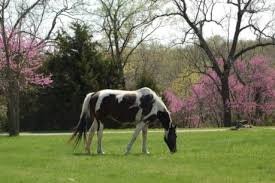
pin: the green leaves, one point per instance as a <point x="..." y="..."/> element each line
<point x="77" y="68"/>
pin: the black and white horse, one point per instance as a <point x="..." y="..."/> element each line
<point x="140" y="106"/>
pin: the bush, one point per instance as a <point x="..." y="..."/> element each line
<point x="146" y="80"/>
<point x="77" y="67"/>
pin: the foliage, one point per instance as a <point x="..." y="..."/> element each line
<point x="146" y="80"/>
<point x="254" y="101"/>
<point x="240" y="13"/>
<point x="77" y="68"/>
<point x="230" y="156"/>
<point x="20" y="58"/>
<point x="175" y="104"/>
<point x="77" y="61"/>
<point x="182" y="84"/>
<point x="163" y="63"/>
<point x="25" y="60"/>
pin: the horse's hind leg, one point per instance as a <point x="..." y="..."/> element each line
<point x="144" y="139"/>
<point x="99" y="139"/>
<point x="91" y="133"/>
<point x="134" y="137"/>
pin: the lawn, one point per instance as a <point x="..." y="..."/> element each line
<point x="223" y="156"/>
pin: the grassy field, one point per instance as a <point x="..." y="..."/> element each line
<point x="229" y="156"/>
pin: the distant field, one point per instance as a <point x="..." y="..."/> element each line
<point x="208" y="157"/>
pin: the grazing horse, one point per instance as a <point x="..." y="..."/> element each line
<point x="142" y="106"/>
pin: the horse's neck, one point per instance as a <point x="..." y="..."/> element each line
<point x="165" y="125"/>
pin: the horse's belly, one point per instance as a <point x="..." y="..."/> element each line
<point x="126" y="115"/>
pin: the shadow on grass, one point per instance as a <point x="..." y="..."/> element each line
<point x="109" y="155"/>
<point x="80" y="154"/>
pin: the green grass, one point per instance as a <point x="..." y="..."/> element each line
<point x="230" y="156"/>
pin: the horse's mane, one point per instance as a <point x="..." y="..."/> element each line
<point x="159" y="101"/>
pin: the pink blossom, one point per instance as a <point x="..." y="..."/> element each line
<point x="25" y="59"/>
<point x="205" y="104"/>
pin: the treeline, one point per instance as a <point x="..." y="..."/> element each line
<point x="77" y="67"/>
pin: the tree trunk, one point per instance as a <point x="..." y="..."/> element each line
<point x="121" y="84"/>
<point x="122" y="81"/>
<point x="227" y="118"/>
<point x="13" y="108"/>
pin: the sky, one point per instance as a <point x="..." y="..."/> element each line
<point x="172" y="29"/>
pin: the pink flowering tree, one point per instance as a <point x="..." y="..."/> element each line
<point x="25" y="28"/>
<point x="239" y="18"/>
<point x="25" y="57"/>
<point x="255" y="100"/>
<point x="252" y="99"/>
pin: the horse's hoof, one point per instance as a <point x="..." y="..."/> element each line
<point x="146" y="152"/>
<point x="88" y="151"/>
<point x="100" y="153"/>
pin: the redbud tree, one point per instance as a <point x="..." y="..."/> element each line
<point x="25" y="57"/>
<point x="25" y="28"/>
<point x="251" y="98"/>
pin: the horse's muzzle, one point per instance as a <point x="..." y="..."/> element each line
<point x="173" y="151"/>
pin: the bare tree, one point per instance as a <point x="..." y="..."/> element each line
<point x="35" y="20"/>
<point x="125" y="24"/>
<point x="244" y="16"/>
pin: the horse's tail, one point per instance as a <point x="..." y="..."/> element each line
<point x="81" y="128"/>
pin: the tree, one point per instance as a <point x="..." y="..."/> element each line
<point x="23" y="34"/>
<point x="244" y="16"/>
<point x="165" y="64"/>
<point x="77" y="68"/>
<point x="254" y="101"/>
<point x="126" y="24"/>
<point x="146" y="80"/>
<point x="25" y="58"/>
<point x="86" y="68"/>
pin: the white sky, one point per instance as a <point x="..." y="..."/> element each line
<point x="172" y="29"/>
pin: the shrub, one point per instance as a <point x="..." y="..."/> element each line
<point x="146" y="80"/>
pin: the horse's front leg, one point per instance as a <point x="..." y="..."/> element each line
<point x="99" y="139"/>
<point x="144" y="139"/>
<point x="91" y="133"/>
<point x="139" y="127"/>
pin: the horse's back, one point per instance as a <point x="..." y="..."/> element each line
<point x="123" y="105"/>
<point x="117" y="104"/>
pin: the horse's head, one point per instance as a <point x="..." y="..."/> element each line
<point x="170" y="136"/>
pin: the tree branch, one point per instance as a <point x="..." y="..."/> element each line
<point x="244" y="50"/>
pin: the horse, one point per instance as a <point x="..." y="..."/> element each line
<point x="142" y="107"/>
